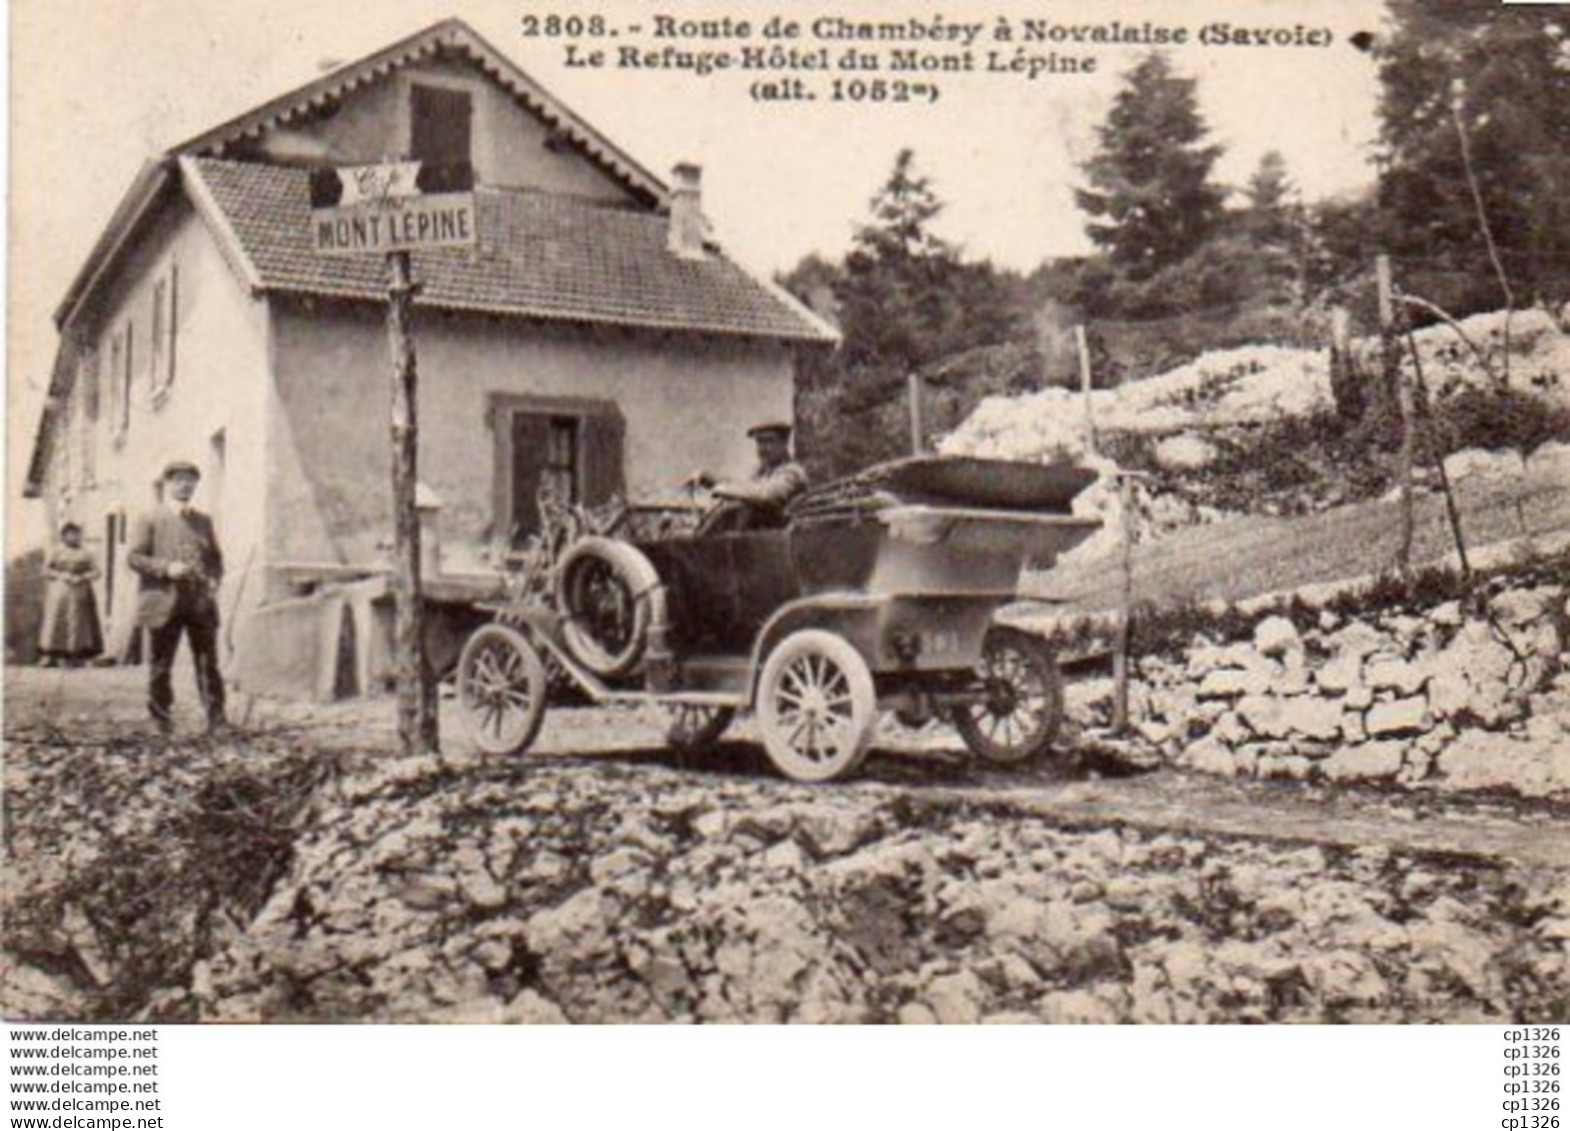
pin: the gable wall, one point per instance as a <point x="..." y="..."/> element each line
<point x="220" y="363"/>
<point x="372" y="123"/>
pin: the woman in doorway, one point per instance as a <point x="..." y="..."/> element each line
<point x="70" y="634"/>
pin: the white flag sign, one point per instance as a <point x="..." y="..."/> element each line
<point x="395" y="206"/>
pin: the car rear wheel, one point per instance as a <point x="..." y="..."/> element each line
<point x="816" y="706"/>
<point x="695" y="728"/>
<point x="1023" y="710"/>
<point x="502" y="685"/>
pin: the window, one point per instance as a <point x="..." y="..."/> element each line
<point x="440" y="123"/>
<point x="163" y="336"/>
<point x="112" y="522"/>
<point x="65" y="448"/>
<point x="87" y="416"/>
<point x="560" y="473"/>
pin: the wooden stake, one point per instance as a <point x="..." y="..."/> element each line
<point x="1125" y="610"/>
<point x="1341" y="375"/>
<point x="1394" y="381"/>
<point x="1341" y="330"/>
<point x="1438" y="454"/>
<point x="1083" y="345"/>
<point x="417" y="724"/>
<point x="917" y="433"/>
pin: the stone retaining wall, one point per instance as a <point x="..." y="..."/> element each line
<point x="1471" y="697"/>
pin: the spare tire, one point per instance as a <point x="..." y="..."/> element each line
<point x="606" y="591"/>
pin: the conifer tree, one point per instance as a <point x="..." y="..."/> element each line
<point x="1151" y="200"/>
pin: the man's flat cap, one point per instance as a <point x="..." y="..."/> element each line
<point x="181" y="467"/>
<point x="771" y="428"/>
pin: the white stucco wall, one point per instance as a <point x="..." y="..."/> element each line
<point x="686" y="399"/>
<point x="220" y="360"/>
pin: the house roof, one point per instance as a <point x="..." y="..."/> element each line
<point x="540" y="255"/>
<point x="452" y="35"/>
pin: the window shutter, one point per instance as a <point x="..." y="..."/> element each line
<point x="441" y="122"/>
<point x="169" y="324"/>
<point x="126" y="378"/>
<point x="156" y="341"/>
<point x="112" y="380"/>
<point x="604" y="436"/>
<point x="520" y="512"/>
<point x="87" y="370"/>
<point x="87" y="378"/>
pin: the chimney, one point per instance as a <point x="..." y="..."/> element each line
<point x="687" y="224"/>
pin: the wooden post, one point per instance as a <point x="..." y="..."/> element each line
<point x="1083" y="346"/>
<point x="1438" y="455"/>
<point x="917" y="433"/>
<point x="417" y="724"/>
<point x="1395" y="382"/>
<point x="1125" y="610"/>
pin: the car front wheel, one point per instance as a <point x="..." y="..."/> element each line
<point x="502" y="686"/>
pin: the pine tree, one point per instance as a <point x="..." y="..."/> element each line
<point x="906" y="298"/>
<point x="888" y="299"/>
<point x="902" y="212"/>
<point x="1151" y="198"/>
<point x="1271" y="209"/>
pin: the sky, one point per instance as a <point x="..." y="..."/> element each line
<point x="99" y="86"/>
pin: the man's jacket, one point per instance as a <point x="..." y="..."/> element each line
<point x="158" y="540"/>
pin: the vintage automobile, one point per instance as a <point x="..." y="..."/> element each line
<point x="873" y="593"/>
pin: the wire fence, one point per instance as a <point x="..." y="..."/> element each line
<point x="1421" y="390"/>
<point x="1124" y="350"/>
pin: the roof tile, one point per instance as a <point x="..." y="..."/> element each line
<point x="540" y="256"/>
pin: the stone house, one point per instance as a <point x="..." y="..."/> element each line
<point x="595" y="335"/>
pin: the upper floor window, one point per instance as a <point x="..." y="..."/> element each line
<point x="87" y="409"/>
<point x="65" y="450"/>
<point x="440" y="124"/>
<point x="163" y="335"/>
<point x="121" y="366"/>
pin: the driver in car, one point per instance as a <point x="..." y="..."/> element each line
<point x="778" y="480"/>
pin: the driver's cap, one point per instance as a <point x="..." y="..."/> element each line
<point x="770" y="428"/>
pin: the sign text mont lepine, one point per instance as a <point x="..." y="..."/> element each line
<point x="397" y="206"/>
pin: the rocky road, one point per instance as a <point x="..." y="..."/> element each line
<point x="302" y="872"/>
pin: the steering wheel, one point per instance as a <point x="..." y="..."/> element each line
<point x="720" y="516"/>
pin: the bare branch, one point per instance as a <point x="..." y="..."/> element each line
<point x="1450" y="320"/>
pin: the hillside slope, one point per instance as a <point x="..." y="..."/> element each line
<point x="1235" y="440"/>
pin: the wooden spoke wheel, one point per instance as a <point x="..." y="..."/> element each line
<point x="816" y="706"/>
<point x="502" y="686"/>
<point x="695" y="728"/>
<point x="1023" y="709"/>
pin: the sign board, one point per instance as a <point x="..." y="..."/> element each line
<point x="397" y="206"/>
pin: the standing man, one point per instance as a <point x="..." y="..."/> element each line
<point x="778" y="480"/>
<point x="175" y="553"/>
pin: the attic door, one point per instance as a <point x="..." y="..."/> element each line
<point x="571" y="449"/>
